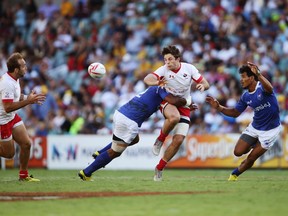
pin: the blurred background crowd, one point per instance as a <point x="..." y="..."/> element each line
<point x="60" y="38"/>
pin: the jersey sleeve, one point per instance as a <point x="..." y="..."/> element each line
<point x="196" y="76"/>
<point x="241" y="105"/>
<point x="159" y="72"/>
<point x="7" y="93"/>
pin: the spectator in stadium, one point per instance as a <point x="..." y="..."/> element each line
<point x="11" y="125"/>
<point x="264" y="130"/>
<point x="127" y="121"/>
<point x="179" y="77"/>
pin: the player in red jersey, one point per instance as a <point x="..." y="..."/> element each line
<point x="178" y="77"/>
<point x="11" y="125"/>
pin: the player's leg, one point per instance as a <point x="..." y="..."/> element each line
<point x="256" y="152"/>
<point x="125" y="131"/>
<point x="172" y="117"/>
<point x="7" y="149"/>
<point x="96" y="153"/>
<point x="265" y="140"/>
<point x="181" y="131"/>
<point x="244" y="144"/>
<point x="118" y="146"/>
<point x="20" y="135"/>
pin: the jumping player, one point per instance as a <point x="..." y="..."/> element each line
<point x="179" y="77"/>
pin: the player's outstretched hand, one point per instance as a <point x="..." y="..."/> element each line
<point x="36" y="98"/>
<point x="212" y="101"/>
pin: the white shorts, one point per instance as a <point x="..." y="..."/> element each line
<point x="266" y="138"/>
<point x="124" y="128"/>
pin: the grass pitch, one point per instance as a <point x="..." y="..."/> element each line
<point x="134" y="193"/>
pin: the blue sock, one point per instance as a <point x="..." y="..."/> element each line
<point x="105" y="148"/>
<point x="236" y="172"/>
<point x="100" y="161"/>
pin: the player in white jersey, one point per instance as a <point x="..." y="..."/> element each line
<point x="264" y="130"/>
<point x="177" y="77"/>
<point x="11" y="125"/>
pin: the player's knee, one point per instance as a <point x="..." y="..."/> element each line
<point x="26" y="145"/>
<point x="113" y="154"/>
<point x="174" y="118"/>
<point x="237" y="153"/>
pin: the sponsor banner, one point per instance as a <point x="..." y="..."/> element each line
<point x="74" y="152"/>
<point x="216" y="151"/>
<point x="38" y="153"/>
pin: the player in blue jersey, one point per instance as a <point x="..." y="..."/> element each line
<point x="127" y="121"/>
<point x="265" y="128"/>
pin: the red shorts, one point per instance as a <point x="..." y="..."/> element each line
<point x="6" y="129"/>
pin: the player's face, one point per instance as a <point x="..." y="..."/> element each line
<point x="245" y="80"/>
<point x="171" y="62"/>
<point x="22" y="68"/>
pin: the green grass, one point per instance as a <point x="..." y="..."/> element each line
<point x="257" y="192"/>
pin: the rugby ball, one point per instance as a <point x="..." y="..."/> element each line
<point x="96" y="70"/>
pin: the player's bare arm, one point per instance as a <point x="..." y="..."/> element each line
<point x="152" y="80"/>
<point x="225" y="110"/>
<point x="265" y="83"/>
<point x="177" y="101"/>
<point x="203" y="85"/>
<point x="32" y="98"/>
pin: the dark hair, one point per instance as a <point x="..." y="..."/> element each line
<point x="173" y="50"/>
<point x="246" y="69"/>
<point x="13" y="62"/>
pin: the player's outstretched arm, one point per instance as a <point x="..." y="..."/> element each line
<point x="32" y="98"/>
<point x="225" y="110"/>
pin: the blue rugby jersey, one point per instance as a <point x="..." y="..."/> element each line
<point x="265" y="106"/>
<point x="143" y="105"/>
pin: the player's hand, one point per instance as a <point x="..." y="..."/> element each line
<point x="193" y="107"/>
<point x="162" y="82"/>
<point x="200" y="87"/>
<point x="212" y="101"/>
<point x="34" y="98"/>
<point x="254" y="68"/>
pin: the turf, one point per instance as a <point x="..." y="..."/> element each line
<point x="257" y="192"/>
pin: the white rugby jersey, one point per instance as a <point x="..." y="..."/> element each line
<point x="179" y="82"/>
<point x="9" y="91"/>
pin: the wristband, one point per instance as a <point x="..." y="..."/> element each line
<point x="25" y="97"/>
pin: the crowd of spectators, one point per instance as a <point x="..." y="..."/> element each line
<point x="59" y="39"/>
